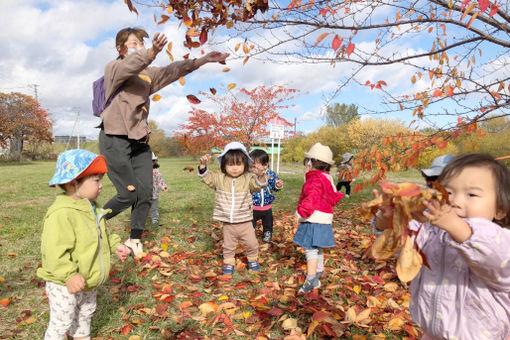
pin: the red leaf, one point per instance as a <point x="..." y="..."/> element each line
<point x="350" y="49"/>
<point x="450" y="91"/>
<point x="438" y="93"/>
<point x="193" y="99"/>
<point x="213" y="90"/>
<point x="337" y="41"/>
<point x="483" y="5"/>
<point x="164" y="19"/>
<point x="161" y="308"/>
<point x="203" y="36"/>
<point x="442" y="144"/>
<point x="125" y="330"/>
<point x="494" y="10"/>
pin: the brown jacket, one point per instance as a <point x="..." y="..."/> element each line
<point x="128" y="112"/>
<point x="233" y="200"/>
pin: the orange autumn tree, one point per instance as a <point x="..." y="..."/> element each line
<point x="455" y="53"/>
<point x="23" y="119"/>
<point x="242" y="117"/>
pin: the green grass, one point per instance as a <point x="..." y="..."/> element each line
<point x="185" y="224"/>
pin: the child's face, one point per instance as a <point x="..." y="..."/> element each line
<point x="472" y="193"/>
<point x="258" y="164"/>
<point x="90" y="187"/>
<point x="307" y="163"/>
<point x="234" y="170"/>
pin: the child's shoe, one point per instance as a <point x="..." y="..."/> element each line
<point x="155" y="221"/>
<point x="135" y="245"/>
<point x="309" y="285"/>
<point x="228" y="269"/>
<point x="266" y="238"/>
<point x="254" y="265"/>
<point x="346" y="196"/>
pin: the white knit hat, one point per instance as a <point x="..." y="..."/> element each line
<point x="320" y="152"/>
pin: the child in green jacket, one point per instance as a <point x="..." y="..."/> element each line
<point x="75" y="246"/>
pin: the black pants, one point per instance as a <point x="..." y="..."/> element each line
<point x="347" y="186"/>
<point x="130" y="170"/>
<point x="267" y="219"/>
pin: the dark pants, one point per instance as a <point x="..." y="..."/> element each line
<point x="347" y="186"/>
<point x="130" y="170"/>
<point x="266" y="217"/>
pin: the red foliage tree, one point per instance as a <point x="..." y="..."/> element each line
<point x="243" y="118"/>
<point x="23" y="119"/>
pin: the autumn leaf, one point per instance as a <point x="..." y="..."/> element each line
<point x="193" y="99"/>
<point x="156" y="97"/>
<point x="337" y="41"/>
<point x="289" y="323"/>
<point x="237" y="46"/>
<point x="164" y="19"/>
<point x="169" y="46"/>
<point x="213" y="90"/>
<point x="231" y="86"/>
<point x="225" y="69"/>
<point x="245" y="60"/>
<point x="208" y="307"/>
<point x="350" y="49"/>
<point x="438" y="93"/>
<point x="5" y="301"/>
<point x="187" y="22"/>
<point x="182" y="81"/>
<point x="125" y="330"/>
<point x="203" y="36"/>
<point x="320" y="38"/>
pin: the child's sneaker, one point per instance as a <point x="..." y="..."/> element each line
<point x="266" y="238"/>
<point x="309" y="285"/>
<point x="346" y="196"/>
<point x="135" y="245"/>
<point x="155" y="221"/>
<point x="254" y="266"/>
<point x="228" y="269"/>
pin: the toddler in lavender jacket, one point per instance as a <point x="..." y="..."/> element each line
<point x="466" y="292"/>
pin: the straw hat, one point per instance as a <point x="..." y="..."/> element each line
<point x="320" y="152"/>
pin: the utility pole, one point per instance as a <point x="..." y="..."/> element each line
<point x="295" y="126"/>
<point x="35" y="91"/>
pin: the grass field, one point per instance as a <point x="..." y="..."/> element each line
<point x="188" y="242"/>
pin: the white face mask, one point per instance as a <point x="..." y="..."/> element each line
<point x="132" y="50"/>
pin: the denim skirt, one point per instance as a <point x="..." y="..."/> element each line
<point x="314" y="235"/>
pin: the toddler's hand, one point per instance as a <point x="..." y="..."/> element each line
<point x="204" y="159"/>
<point x="279" y="184"/>
<point x="440" y="215"/>
<point x="122" y="252"/>
<point x="75" y="284"/>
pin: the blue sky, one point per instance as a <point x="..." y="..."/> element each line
<point x="62" y="47"/>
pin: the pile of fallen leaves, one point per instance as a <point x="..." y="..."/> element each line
<point x="360" y="298"/>
<point x="405" y="200"/>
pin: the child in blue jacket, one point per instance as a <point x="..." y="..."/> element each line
<point x="263" y="199"/>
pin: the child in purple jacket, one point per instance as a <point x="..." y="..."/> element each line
<point x="466" y="292"/>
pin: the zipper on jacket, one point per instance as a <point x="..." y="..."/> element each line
<point x="99" y="237"/>
<point x="435" y="296"/>
<point x="233" y="201"/>
<point x="262" y="197"/>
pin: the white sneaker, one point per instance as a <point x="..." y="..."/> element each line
<point x="346" y="196"/>
<point x="135" y="245"/>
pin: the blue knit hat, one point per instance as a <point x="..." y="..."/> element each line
<point x="77" y="163"/>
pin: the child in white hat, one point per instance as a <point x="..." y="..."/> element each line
<point x="344" y="173"/>
<point x="234" y="187"/>
<point x="315" y="213"/>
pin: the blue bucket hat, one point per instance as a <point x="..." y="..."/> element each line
<point x="77" y="163"/>
<point x="234" y="146"/>
<point x="437" y="165"/>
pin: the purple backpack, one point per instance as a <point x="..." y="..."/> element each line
<point x="99" y="103"/>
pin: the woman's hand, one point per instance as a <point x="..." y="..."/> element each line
<point x="212" y="57"/>
<point x="159" y="41"/>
